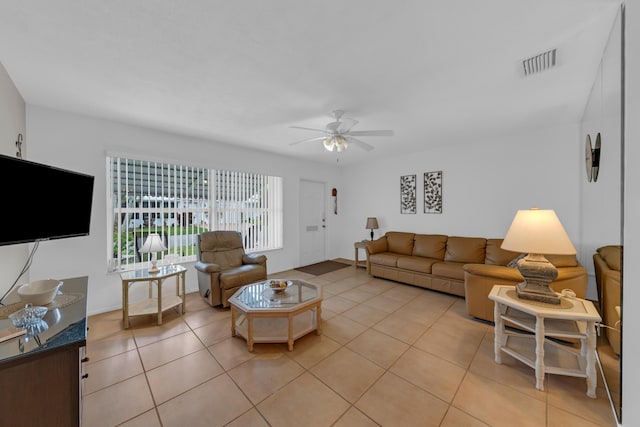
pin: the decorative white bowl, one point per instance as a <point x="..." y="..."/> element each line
<point x="40" y="292"/>
<point x="279" y="286"/>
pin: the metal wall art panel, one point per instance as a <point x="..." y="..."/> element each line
<point x="433" y="192"/>
<point x="408" y="201"/>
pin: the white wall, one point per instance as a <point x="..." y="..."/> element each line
<point x="631" y="266"/>
<point x="601" y="201"/>
<point x="484" y="182"/>
<point x="80" y="143"/>
<point x="12" y="115"/>
<point x="12" y="123"/>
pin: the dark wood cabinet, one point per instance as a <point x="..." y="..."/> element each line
<point x="41" y="379"/>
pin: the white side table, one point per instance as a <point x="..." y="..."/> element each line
<point x="260" y="315"/>
<point x="574" y="318"/>
<point x="153" y="304"/>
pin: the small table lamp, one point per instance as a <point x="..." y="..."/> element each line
<point x="153" y="245"/>
<point x="372" y="224"/>
<point x="537" y="233"/>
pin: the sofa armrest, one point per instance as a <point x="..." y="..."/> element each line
<point x="207" y="267"/>
<point x="494" y="271"/>
<point x="566" y="273"/>
<point x="505" y="273"/>
<point x="254" y="259"/>
<point x="376" y="246"/>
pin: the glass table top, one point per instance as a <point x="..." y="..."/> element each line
<point x="261" y="296"/>
<point x="143" y="273"/>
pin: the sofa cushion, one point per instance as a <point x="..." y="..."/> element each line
<point x="514" y="262"/>
<point x="611" y="255"/>
<point x="399" y="242"/>
<point x="450" y="270"/>
<point x="414" y="263"/>
<point x="563" y="260"/>
<point x="495" y="255"/>
<point x="225" y="259"/>
<point x="388" y="259"/>
<point x="465" y="249"/>
<point x="430" y="245"/>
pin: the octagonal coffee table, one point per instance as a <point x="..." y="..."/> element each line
<point x="260" y="314"/>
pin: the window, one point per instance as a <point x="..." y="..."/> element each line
<point x="174" y="201"/>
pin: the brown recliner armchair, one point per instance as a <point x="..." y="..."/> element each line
<point x="223" y="266"/>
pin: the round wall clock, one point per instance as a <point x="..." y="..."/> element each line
<point x="595" y="163"/>
<point x="588" y="157"/>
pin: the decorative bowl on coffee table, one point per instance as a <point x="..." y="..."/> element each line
<point x="279" y="286"/>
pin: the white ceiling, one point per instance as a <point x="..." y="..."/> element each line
<point x="244" y="71"/>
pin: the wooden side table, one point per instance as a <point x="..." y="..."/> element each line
<point x="157" y="304"/>
<point x="574" y="318"/>
<point x="358" y="246"/>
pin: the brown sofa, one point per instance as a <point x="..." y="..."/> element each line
<point x="223" y="266"/>
<point x="480" y="278"/>
<point x="463" y="266"/>
<point x="607" y="263"/>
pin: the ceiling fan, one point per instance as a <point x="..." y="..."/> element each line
<point x="338" y="134"/>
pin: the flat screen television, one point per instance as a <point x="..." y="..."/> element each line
<point x="42" y="202"/>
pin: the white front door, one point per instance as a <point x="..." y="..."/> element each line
<point x="312" y="222"/>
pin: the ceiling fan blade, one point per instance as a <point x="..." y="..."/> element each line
<point x="360" y="144"/>
<point x="300" y="127"/>
<point x="346" y="125"/>
<point x="372" y="133"/>
<point x="308" y="140"/>
<point x="332" y="127"/>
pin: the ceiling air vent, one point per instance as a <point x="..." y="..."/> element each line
<point x="540" y="62"/>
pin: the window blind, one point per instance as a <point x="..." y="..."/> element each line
<point x="174" y="201"/>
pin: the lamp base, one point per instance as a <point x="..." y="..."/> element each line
<point x="525" y="290"/>
<point x="538" y="273"/>
<point x="154" y="267"/>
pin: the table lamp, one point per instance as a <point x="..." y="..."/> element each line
<point x="153" y="245"/>
<point x="372" y="224"/>
<point x="537" y="233"/>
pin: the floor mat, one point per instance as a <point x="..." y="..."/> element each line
<point x="322" y="267"/>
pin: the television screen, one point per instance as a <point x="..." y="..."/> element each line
<point x="42" y="202"/>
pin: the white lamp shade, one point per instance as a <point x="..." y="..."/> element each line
<point x="153" y="244"/>
<point x="538" y="231"/>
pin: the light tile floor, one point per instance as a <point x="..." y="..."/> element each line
<point x="389" y="355"/>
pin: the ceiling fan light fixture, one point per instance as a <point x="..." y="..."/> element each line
<point x="338" y="134"/>
<point x="336" y="142"/>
